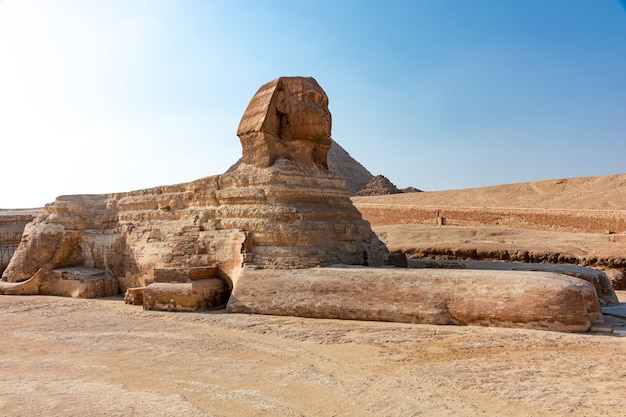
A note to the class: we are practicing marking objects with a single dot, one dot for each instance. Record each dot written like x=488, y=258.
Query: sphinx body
x=281, y=208
x=264, y=238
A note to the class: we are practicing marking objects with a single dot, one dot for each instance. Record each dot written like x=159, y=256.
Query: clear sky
x=107, y=96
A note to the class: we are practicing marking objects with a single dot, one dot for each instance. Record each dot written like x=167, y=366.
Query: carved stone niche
x=287, y=118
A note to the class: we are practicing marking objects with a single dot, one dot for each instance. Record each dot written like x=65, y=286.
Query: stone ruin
x=378, y=185
x=279, y=235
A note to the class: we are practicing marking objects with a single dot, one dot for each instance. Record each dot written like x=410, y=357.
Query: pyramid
x=379, y=185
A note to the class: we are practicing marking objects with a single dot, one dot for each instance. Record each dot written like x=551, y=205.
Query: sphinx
x=279, y=235
x=280, y=209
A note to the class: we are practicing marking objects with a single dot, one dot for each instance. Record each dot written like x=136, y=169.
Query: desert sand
x=606, y=192
x=101, y=357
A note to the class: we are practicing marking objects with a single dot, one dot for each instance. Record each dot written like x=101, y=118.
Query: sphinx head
x=287, y=118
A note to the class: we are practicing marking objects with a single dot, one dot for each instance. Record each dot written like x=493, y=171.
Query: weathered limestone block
x=40, y=243
x=306, y=218
x=83, y=212
x=189, y=296
x=184, y=274
x=12, y=223
x=79, y=282
x=490, y=298
x=28, y=287
x=134, y=296
x=599, y=279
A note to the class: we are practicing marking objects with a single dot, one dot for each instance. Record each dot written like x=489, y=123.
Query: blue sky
x=108, y=96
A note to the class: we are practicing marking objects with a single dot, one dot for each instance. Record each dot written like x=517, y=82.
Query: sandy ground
x=72, y=357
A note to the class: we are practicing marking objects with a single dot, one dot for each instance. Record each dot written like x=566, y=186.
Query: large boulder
x=535, y=300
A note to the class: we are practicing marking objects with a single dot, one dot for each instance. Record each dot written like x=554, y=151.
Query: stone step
x=134, y=296
x=205, y=294
x=184, y=274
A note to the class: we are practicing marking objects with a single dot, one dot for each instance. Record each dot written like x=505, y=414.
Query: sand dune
x=595, y=193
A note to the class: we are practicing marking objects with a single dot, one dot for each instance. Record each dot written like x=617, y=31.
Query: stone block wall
x=12, y=223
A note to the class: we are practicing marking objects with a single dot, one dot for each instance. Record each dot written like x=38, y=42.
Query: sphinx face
x=306, y=113
x=287, y=118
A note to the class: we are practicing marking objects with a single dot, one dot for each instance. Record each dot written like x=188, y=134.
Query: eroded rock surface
x=507, y=299
x=281, y=208
x=12, y=223
x=341, y=163
x=599, y=279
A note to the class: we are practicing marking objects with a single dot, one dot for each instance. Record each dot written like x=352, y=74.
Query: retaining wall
x=588, y=221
